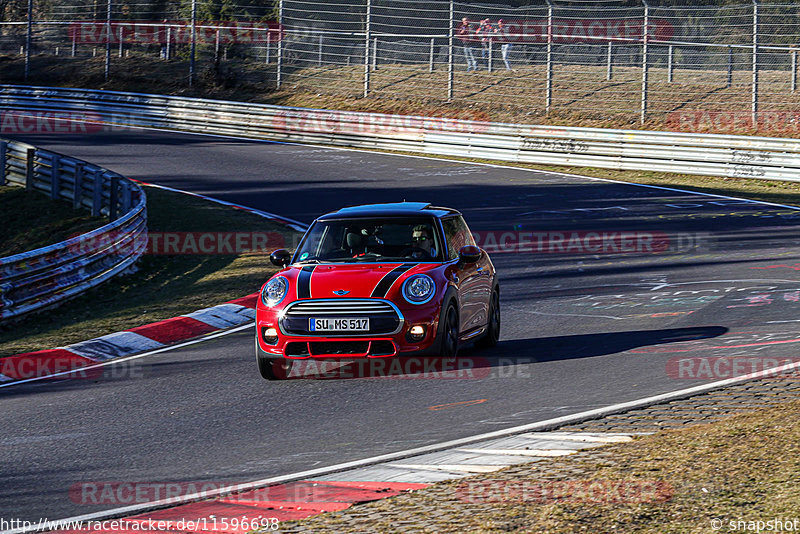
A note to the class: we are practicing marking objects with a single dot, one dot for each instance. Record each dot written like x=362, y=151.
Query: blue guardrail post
x=55, y=177
x=97, y=197
x=3, y=155
x=77, y=186
x=113, y=196
x=30, y=156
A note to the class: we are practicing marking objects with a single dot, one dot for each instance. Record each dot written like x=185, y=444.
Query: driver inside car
x=422, y=246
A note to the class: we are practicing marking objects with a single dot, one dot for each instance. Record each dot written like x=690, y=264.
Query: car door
x=481, y=290
x=471, y=279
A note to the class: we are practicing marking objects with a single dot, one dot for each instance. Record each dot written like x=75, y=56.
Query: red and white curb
x=243, y=508
x=262, y=508
x=129, y=342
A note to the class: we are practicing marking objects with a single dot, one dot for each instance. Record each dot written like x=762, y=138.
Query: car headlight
x=274, y=291
x=419, y=289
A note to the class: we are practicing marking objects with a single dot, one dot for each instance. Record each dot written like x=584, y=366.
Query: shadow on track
x=474, y=364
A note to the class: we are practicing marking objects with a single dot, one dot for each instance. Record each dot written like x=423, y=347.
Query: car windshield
x=371, y=240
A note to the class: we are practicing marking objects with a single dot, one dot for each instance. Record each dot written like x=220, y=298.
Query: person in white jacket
x=500, y=35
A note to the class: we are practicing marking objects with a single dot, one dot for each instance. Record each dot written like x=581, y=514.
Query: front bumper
x=346, y=345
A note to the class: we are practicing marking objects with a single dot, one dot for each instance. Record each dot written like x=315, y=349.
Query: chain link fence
x=639, y=61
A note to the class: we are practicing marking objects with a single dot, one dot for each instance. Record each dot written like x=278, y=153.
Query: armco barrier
x=705, y=154
x=39, y=278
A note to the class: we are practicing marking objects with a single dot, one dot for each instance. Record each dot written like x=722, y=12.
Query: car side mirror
x=469, y=254
x=280, y=257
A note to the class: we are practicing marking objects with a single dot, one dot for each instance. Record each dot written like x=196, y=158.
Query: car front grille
x=337, y=308
x=384, y=318
x=303, y=349
x=319, y=348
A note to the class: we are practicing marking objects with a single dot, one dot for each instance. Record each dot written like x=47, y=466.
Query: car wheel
x=450, y=331
x=492, y=335
x=272, y=368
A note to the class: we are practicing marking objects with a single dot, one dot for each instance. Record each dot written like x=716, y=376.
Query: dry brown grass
x=742, y=468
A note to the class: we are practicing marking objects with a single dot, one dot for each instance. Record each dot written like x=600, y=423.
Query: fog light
x=270, y=335
x=416, y=332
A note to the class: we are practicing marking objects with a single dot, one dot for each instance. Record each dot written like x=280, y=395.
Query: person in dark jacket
x=465, y=32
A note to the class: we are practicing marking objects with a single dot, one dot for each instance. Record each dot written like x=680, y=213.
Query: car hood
x=351, y=280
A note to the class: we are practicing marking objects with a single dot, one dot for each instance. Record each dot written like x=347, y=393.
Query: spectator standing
x=484, y=34
x=501, y=36
x=465, y=33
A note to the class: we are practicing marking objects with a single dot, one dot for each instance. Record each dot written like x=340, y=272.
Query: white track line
x=292, y=223
x=538, y=453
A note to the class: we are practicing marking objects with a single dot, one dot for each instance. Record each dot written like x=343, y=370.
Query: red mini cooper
x=377, y=281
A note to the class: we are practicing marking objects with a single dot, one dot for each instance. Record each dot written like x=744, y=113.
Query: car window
x=457, y=234
x=372, y=239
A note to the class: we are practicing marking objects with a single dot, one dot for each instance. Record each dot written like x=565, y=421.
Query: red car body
x=370, y=288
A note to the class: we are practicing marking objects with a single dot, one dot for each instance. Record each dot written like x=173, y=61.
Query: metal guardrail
x=40, y=278
x=702, y=154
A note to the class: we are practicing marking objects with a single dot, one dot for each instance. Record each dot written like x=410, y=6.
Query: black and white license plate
x=340, y=324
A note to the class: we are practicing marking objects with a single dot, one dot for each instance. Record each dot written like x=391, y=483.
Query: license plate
x=343, y=324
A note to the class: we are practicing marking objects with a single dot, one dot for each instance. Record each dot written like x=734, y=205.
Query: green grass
x=32, y=220
x=163, y=287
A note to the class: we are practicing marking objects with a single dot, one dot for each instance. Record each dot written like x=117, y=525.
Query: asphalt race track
x=617, y=288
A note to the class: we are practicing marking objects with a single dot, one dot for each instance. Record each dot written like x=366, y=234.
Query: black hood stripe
x=304, y=282
x=386, y=282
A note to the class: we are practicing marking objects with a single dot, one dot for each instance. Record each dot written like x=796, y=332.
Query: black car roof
x=396, y=209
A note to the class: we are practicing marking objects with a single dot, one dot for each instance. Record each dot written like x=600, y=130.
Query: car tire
x=492, y=335
x=272, y=368
x=449, y=325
